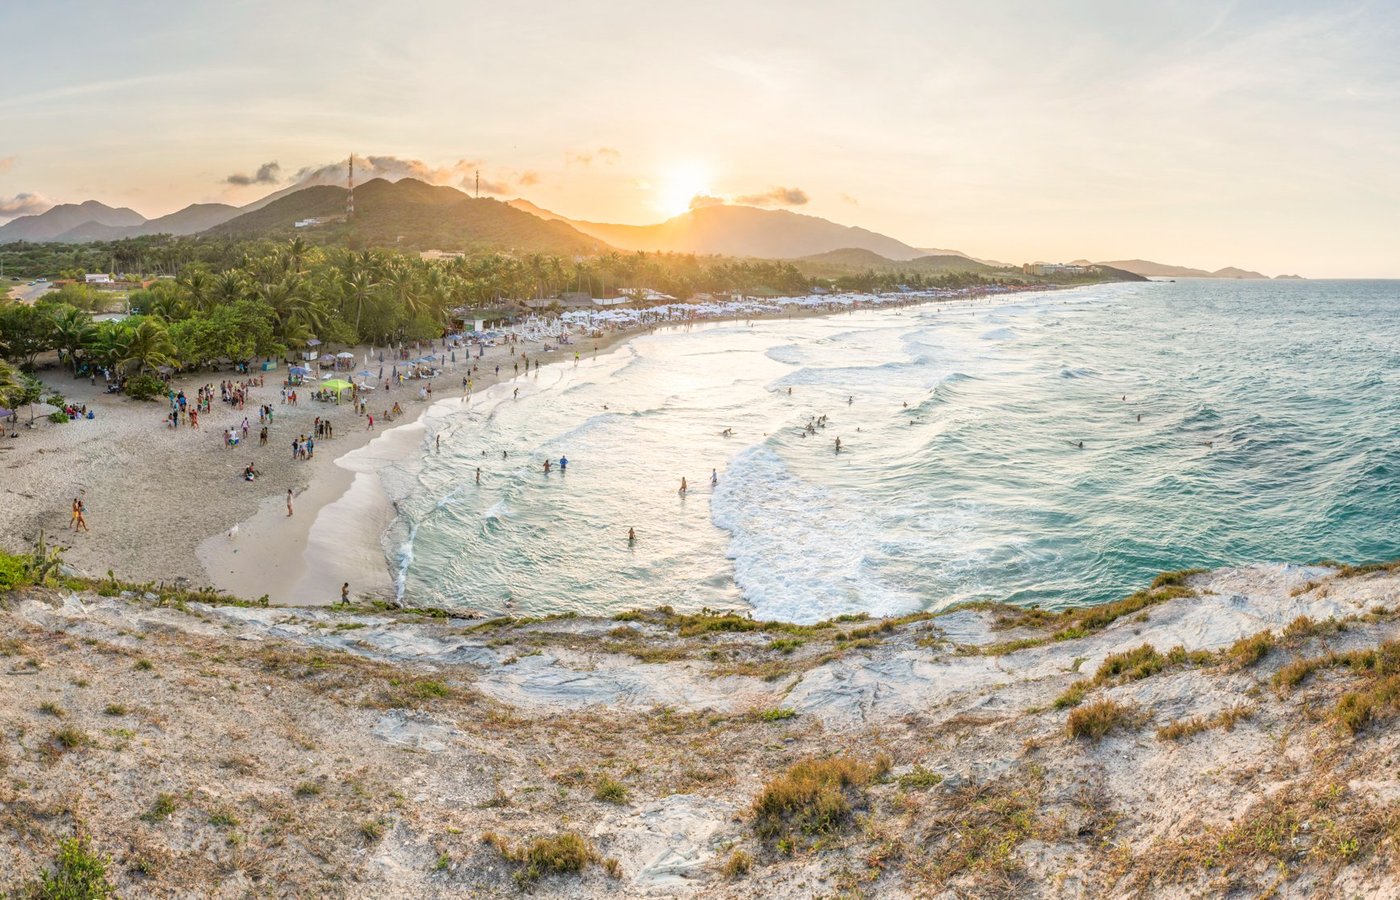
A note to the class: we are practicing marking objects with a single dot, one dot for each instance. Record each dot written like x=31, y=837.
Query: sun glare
x=679, y=185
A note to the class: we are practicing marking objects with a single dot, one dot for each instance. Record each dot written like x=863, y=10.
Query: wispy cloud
x=267, y=173
x=608, y=155
x=6, y=163
x=778, y=196
x=390, y=168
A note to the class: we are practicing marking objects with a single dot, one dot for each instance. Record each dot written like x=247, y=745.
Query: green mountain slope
x=412, y=215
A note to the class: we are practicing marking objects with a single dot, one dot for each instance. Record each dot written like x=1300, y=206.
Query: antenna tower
x=350, y=183
x=478, y=184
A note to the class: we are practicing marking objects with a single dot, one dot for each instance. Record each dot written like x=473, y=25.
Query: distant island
x=1150, y=269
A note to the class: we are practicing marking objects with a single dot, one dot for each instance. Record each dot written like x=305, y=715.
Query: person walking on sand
x=289, y=501
x=345, y=594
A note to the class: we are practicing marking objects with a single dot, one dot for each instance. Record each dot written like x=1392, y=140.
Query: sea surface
x=1268, y=432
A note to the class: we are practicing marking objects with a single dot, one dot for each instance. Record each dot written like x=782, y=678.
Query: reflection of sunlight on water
x=960, y=475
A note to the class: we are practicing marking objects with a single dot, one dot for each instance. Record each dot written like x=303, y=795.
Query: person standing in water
x=838, y=445
x=478, y=474
x=714, y=477
x=683, y=487
x=631, y=536
x=563, y=463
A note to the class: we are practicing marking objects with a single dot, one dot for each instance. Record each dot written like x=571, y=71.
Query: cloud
x=607, y=155
x=847, y=198
x=700, y=200
x=6, y=164
x=26, y=204
x=267, y=174
x=487, y=186
x=778, y=196
x=528, y=179
x=390, y=168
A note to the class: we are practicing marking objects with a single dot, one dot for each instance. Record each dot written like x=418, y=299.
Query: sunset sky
x=1264, y=135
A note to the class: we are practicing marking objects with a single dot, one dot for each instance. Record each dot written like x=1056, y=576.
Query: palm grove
x=235, y=302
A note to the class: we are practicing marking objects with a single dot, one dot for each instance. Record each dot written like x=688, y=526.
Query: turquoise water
x=1267, y=434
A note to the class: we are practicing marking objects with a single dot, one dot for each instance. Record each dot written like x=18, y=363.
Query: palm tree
x=296, y=254
x=357, y=293
x=229, y=286
x=11, y=385
x=71, y=330
x=198, y=287
x=148, y=345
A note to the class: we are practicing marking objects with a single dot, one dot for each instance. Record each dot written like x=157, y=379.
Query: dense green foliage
x=225, y=300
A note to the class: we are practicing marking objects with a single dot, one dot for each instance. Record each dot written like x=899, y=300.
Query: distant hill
x=413, y=215
x=736, y=231
x=858, y=259
x=1160, y=270
x=48, y=226
x=192, y=219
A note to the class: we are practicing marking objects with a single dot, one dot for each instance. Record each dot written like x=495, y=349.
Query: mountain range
x=415, y=215
x=1162, y=270
x=727, y=230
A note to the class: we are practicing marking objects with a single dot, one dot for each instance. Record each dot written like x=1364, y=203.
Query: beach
x=162, y=502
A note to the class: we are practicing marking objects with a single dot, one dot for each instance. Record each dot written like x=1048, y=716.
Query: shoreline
x=351, y=513
x=163, y=502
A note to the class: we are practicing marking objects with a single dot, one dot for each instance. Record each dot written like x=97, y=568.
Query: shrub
x=785, y=645
x=14, y=571
x=1097, y=719
x=737, y=864
x=307, y=789
x=70, y=739
x=1175, y=579
x=162, y=809
x=1247, y=651
x=814, y=797
x=610, y=790
x=553, y=855
x=78, y=874
x=1131, y=665
x=777, y=715
x=144, y=387
x=1074, y=694
x=58, y=417
x=429, y=689
x=919, y=779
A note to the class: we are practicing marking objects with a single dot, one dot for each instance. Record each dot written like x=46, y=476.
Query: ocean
x=1266, y=433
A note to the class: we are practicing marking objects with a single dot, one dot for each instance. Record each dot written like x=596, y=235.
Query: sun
x=680, y=184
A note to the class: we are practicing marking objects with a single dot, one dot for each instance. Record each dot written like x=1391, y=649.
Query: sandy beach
x=162, y=502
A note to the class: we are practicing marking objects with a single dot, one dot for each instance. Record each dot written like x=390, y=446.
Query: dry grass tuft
x=814, y=797
x=1095, y=720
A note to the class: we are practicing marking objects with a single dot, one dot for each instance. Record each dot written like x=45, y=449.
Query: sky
x=1264, y=135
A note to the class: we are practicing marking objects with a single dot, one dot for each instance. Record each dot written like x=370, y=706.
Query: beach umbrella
x=365, y=373
x=299, y=370
x=345, y=354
